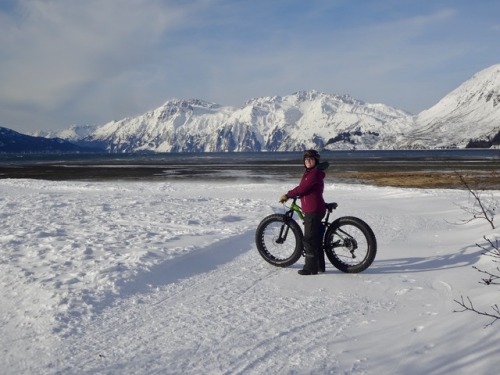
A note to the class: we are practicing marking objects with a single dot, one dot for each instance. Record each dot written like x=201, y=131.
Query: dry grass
x=424, y=179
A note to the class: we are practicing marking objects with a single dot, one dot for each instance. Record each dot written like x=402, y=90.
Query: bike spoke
x=350, y=245
x=279, y=240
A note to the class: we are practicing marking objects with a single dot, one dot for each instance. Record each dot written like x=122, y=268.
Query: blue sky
x=65, y=62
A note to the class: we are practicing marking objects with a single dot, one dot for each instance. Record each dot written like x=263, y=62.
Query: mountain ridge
x=472, y=109
x=469, y=116
x=14, y=142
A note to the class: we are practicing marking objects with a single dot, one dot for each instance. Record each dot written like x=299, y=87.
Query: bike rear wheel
x=279, y=240
x=350, y=244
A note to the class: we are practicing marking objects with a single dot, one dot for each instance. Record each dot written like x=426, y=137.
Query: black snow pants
x=315, y=258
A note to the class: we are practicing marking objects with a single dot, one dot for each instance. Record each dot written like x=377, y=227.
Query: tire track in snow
x=189, y=323
x=190, y=264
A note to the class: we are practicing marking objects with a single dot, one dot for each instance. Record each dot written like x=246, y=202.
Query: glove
x=283, y=198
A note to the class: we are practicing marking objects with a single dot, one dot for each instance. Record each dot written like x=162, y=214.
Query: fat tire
x=339, y=255
x=280, y=255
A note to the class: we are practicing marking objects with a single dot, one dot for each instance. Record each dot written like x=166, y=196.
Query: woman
x=310, y=192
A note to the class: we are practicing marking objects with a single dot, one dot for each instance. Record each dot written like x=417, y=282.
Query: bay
x=253, y=166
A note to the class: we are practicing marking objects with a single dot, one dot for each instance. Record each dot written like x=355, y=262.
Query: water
x=254, y=166
x=243, y=157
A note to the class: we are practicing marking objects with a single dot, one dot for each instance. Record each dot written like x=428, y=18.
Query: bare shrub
x=491, y=249
x=482, y=204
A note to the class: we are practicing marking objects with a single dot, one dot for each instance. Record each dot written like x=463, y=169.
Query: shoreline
x=439, y=176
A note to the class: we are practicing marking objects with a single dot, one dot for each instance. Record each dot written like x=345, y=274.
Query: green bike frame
x=294, y=207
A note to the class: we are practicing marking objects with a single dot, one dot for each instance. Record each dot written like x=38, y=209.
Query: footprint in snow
x=400, y=292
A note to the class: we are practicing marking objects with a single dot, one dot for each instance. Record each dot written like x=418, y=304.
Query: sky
x=65, y=62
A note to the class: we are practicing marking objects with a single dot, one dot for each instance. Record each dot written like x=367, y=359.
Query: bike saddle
x=331, y=206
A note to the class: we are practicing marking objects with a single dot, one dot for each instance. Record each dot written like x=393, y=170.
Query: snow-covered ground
x=164, y=278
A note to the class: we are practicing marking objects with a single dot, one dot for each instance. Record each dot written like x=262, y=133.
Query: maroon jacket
x=310, y=191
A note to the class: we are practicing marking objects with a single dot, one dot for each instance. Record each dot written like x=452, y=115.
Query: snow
x=470, y=111
x=164, y=278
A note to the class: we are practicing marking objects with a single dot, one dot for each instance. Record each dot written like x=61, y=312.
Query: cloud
x=54, y=50
x=362, y=60
x=57, y=46
x=92, y=61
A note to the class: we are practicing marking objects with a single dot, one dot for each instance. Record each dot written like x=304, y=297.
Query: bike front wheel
x=350, y=244
x=279, y=240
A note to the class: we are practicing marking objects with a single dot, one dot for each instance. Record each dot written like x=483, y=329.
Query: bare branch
x=468, y=306
x=481, y=209
x=492, y=277
x=493, y=250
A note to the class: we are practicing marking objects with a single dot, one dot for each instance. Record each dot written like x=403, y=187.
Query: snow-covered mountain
x=304, y=119
x=73, y=133
x=467, y=117
x=14, y=142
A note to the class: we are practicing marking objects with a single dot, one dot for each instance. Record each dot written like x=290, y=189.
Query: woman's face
x=309, y=162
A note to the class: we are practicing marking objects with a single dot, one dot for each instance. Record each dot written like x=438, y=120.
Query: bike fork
x=283, y=233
